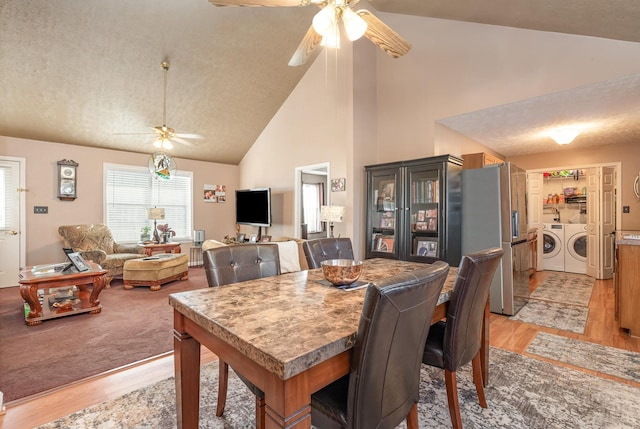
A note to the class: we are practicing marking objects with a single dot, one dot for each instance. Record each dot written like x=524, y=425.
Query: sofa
x=95, y=242
x=292, y=256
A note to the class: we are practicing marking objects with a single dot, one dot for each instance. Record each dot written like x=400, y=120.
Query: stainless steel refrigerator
x=494, y=214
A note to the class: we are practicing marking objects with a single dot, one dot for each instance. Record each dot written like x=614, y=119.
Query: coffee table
x=51, y=293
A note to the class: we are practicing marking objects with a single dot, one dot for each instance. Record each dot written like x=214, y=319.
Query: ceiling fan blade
x=183, y=141
x=189, y=136
x=383, y=36
x=133, y=134
x=259, y=2
x=306, y=46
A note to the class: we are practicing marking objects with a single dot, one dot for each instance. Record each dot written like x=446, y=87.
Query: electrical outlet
x=626, y=209
x=40, y=209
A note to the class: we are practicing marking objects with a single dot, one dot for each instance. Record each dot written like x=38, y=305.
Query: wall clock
x=67, y=179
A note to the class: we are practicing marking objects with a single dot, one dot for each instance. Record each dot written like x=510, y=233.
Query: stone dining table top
x=290, y=322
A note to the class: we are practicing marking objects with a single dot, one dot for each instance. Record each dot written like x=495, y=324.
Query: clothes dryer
x=575, y=249
x=553, y=246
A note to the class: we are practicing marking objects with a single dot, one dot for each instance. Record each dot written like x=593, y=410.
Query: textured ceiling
x=85, y=71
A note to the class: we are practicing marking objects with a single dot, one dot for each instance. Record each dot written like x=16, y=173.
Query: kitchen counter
x=621, y=240
x=627, y=281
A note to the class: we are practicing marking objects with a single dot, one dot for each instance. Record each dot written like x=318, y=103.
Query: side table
x=165, y=247
x=63, y=294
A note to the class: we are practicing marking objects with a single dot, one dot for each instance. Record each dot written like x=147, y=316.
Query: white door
x=593, y=221
x=534, y=210
x=10, y=204
x=600, y=221
x=607, y=221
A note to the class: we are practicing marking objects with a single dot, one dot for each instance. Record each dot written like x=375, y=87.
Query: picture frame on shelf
x=265, y=239
x=387, y=222
x=253, y=238
x=241, y=237
x=384, y=243
x=427, y=247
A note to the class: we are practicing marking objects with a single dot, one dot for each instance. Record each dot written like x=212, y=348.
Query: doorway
x=608, y=209
x=316, y=173
x=12, y=219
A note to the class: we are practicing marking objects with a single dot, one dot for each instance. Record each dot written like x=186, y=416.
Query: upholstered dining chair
x=382, y=388
x=234, y=264
x=321, y=249
x=456, y=341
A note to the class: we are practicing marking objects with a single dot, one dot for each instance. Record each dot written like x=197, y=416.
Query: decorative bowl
x=341, y=272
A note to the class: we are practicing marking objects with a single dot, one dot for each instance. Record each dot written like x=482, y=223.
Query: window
x=131, y=190
x=312, y=199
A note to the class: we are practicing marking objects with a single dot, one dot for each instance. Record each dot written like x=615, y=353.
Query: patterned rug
x=560, y=302
x=607, y=360
x=523, y=392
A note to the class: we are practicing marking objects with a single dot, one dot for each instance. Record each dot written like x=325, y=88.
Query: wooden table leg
x=285, y=409
x=30, y=294
x=187, y=372
x=98, y=284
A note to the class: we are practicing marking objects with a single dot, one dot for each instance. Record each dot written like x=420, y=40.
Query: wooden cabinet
x=627, y=286
x=479, y=160
x=414, y=210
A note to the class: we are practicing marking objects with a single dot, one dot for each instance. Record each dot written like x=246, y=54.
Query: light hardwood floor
x=507, y=334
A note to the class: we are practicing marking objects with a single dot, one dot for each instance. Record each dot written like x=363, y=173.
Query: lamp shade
x=155, y=213
x=331, y=213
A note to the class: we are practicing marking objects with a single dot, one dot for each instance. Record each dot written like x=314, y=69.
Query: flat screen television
x=253, y=206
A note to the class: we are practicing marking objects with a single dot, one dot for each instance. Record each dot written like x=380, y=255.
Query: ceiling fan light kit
x=324, y=30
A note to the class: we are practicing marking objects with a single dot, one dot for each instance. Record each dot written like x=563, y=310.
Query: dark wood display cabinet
x=414, y=209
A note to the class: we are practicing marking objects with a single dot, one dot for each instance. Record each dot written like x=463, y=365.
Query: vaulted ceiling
x=87, y=72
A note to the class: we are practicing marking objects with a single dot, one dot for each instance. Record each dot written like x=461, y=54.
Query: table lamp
x=331, y=214
x=155, y=214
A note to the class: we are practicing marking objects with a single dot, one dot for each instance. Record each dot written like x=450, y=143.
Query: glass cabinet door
x=383, y=207
x=423, y=213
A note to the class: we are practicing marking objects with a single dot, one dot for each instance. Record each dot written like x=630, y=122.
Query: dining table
x=290, y=335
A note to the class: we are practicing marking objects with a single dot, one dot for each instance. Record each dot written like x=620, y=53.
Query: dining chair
x=321, y=249
x=234, y=264
x=382, y=388
x=456, y=341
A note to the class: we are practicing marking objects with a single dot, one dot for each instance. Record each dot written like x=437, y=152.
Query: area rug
x=560, y=302
x=133, y=325
x=567, y=288
x=554, y=315
x=523, y=393
x=607, y=360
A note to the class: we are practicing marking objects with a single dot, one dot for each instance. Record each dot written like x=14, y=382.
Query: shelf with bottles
x=565, y=174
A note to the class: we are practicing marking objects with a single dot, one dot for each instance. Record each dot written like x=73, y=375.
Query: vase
x=166, y=237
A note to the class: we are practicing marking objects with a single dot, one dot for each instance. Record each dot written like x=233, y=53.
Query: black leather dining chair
x=234, y=264
x=321, y=249
x=382, y=388
x=456, y=341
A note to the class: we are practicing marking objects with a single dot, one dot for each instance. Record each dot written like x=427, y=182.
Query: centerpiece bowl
x=341, y=272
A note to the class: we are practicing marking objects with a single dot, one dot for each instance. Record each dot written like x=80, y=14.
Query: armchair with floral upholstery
x=95, y=243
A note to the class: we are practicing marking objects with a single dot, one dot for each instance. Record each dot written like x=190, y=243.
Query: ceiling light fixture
x=325, y=23
x=564, y=135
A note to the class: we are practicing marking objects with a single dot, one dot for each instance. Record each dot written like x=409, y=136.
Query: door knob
x=12, y=232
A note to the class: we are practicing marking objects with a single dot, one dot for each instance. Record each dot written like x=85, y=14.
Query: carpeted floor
x=133, y=325
x=523, y=393
x=607, y=360
x=560, y=302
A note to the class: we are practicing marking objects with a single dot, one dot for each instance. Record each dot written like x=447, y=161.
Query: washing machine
x=575, y=248
x=553, y=246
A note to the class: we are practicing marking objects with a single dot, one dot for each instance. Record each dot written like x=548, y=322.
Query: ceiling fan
x=325, y=30
x=165, y=135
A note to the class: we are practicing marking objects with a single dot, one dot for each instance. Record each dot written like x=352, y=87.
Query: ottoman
x=154, y=271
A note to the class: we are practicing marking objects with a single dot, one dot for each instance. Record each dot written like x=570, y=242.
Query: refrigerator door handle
x=514, y=222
